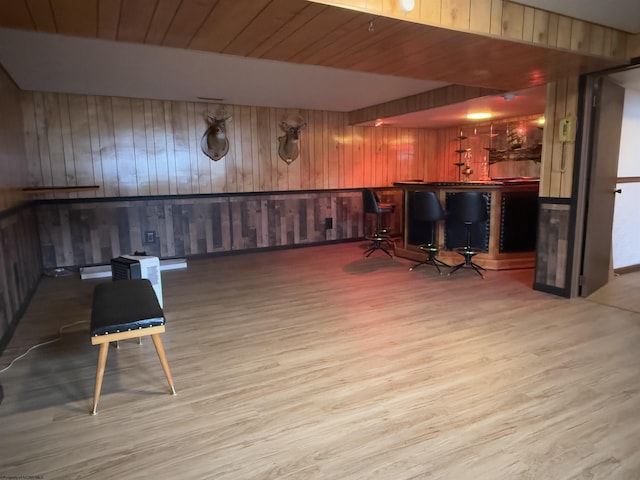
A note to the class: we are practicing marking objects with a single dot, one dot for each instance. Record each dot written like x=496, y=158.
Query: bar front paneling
x=507, y=237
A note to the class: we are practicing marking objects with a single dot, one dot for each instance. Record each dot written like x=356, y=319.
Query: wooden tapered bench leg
x=122, y=310
x=102, y=362
x=157, y=341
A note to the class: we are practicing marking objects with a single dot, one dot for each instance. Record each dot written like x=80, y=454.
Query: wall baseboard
x=628, y=269
x=104, y=271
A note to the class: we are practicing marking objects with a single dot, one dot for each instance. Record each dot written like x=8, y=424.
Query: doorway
x=605, y=113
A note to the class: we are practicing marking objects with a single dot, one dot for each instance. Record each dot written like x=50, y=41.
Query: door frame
x=584, y=158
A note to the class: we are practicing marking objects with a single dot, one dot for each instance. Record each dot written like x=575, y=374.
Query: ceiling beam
x=439, y=97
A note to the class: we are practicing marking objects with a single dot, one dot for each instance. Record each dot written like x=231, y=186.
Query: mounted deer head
x=288, y=143
x=214, y=143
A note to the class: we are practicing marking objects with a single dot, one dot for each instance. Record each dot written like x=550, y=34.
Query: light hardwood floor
x=316, y=364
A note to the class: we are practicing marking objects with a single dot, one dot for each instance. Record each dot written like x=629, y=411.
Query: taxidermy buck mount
x=214, y=143
x=288, y=143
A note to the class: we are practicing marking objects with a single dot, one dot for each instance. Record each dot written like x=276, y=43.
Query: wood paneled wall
x=633, y=46
x=148, y=148
x=556, y=178
x=479, y=140
x=13, y=170
x=20, y=266
x=87, y=232
x=135, y=147
x=20, y=260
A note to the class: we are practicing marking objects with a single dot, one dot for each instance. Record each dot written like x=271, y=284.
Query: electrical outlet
x=149, y=237
x=328, y=223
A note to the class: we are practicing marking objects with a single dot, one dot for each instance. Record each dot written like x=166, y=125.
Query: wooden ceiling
x=299, y=31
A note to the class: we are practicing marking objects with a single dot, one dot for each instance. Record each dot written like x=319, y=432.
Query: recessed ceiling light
x=479, y=116
x=407, y=5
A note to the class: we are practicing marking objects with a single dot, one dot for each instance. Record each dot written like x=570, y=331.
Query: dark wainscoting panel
x=553, y=246
x=82, y=232
x=20, y=266
x=519, y=222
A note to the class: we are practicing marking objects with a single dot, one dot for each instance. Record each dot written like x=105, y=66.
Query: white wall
x=629, y=161
x=626, y=217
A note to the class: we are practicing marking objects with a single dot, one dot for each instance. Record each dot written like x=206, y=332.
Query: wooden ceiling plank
x=274, y=16
x=396, y=52
x=187, y=21
x=438, y=57
x=366, y=45
x=526, y=65
x=334, y=45
x=161, y=21
x=436, y=64
x=42, y=15
x=314, y=31
x=108, y=19
x=225, y=22
x=340, y=37
x=76, y=18
x=399, y=51
x=398, y=47
x=135, y=19
x=16, y=15
x=289, y=28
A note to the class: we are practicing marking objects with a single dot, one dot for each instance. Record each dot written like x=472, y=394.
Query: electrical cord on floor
x=62, y=328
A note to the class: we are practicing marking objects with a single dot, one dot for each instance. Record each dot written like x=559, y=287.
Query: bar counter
x=508, y=237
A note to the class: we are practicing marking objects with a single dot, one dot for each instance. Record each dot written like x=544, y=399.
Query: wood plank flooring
x=314, y=363
x=620, y=292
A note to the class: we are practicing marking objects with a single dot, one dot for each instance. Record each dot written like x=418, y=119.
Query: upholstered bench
x=121, y=310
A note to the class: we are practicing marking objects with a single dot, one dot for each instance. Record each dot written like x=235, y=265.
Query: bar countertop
x=496, y=182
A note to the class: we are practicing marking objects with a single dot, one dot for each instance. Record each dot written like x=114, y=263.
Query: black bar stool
x=380, y=239
x=427, y=208
x=468, y=208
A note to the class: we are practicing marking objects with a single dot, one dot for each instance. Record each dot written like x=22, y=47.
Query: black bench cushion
x=125, y=305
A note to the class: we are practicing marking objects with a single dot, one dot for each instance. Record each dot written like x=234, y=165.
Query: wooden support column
x=558, y=155
x=556, y=217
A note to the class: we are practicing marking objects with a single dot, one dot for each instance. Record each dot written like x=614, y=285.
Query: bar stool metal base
x=431, y=251
x=468, y=254
x=380, y=241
